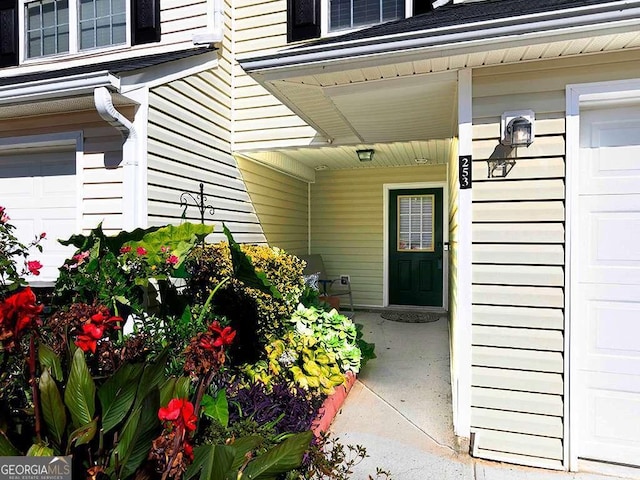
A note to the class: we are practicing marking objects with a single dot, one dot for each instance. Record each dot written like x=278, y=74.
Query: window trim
x=324, y=19
x=74, y=35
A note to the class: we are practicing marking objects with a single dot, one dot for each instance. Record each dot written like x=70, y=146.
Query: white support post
x=461, y=355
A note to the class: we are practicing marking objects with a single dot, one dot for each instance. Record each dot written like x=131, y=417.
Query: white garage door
x=606, y=316
x=38, y=188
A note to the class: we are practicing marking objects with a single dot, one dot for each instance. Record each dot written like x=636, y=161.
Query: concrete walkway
x=400, y=411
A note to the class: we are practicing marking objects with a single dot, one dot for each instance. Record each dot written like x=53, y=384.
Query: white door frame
x=577, y=96
x=387, y=187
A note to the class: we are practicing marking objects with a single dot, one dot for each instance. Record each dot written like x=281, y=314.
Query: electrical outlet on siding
x=345, y=279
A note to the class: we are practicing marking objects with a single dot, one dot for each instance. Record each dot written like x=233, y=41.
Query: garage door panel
x=611, y=436
x=610, y=239
x=606, y=320
x=39, y=191
x=609, y=159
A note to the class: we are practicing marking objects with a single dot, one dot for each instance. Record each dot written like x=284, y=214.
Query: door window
x=415, y=223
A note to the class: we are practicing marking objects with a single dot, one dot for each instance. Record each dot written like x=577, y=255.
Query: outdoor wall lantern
x=516, y=130
x=365, y=155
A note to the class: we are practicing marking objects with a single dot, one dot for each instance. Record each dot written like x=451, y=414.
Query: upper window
x=33, y=29
x=308, y=19
x=102, y=23
x=49, y=29
x=346, y=14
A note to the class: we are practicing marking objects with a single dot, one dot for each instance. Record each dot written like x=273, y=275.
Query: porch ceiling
x=382, y=110
x=304, y=162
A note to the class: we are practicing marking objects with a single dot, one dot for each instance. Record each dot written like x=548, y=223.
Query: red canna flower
x=86, y=343
x=126, y=249
x=226, y=334
x=34, y=267
x=180, y=412
x=141, y=251
x=172, y=260
x=19, y=311
x=93, y=330
x=98, y=318
x=188, y=451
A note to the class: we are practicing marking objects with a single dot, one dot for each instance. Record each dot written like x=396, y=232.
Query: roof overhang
x=402, y=87
x=62, y=90
x=546, y=27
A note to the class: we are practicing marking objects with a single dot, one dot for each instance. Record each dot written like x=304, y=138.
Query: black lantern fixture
x=519, y=132
x=517, y=128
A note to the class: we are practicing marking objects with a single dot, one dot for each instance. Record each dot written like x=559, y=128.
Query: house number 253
x=464, y=164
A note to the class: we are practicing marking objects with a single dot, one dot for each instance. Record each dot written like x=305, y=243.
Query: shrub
x=255, y=314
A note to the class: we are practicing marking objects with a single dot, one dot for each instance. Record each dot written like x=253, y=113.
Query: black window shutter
x=8, y=33
x=146, y=21
x=303, y=19
x=422, y=6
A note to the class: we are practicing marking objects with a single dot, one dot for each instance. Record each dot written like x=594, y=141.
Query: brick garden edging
x=331, y=406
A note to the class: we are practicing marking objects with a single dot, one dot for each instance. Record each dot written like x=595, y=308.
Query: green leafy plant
x=112, y=270
x=337, y=333
x=237, y=459
x=303, y=360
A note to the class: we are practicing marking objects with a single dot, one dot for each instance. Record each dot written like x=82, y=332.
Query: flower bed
x=224, y=377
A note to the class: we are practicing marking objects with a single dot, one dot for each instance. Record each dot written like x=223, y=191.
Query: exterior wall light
x=517, y=128
x=365, y=155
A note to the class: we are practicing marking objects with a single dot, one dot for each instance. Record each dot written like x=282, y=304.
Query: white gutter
x=72, y=85
x=106, y=110
x=493, y=32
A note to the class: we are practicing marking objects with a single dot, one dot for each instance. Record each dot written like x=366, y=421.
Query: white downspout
x=106, y=110
x=214, y=34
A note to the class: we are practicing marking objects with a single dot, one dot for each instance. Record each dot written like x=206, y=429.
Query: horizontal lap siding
x=260, y=120
x=347, y=223
x=518, y=286
x=281, y=204
x=518, y=259
x=101, y=163
x=189, y=141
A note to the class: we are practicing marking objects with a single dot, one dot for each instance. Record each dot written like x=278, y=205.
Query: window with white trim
x=50, y=27
x=307, y=19
x=47, y=27
x=102, y=23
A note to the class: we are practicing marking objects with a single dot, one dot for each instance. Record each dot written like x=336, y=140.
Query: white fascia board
x=73, y=85
x=446, y=41
x=151, y=77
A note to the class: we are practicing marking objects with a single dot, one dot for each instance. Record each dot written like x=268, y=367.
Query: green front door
x=415, y=247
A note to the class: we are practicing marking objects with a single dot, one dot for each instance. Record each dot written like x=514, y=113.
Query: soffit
x=63, y=105
x=384, y=110
x=390, y=99
x=304, y=161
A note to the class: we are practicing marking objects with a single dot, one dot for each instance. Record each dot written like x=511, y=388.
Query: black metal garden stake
x=198, y=201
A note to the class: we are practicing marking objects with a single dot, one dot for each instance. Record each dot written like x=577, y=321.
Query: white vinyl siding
x=282, y=205
x=347, y=226
x=518, y=378
x=259, y=119
x=189, y=143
